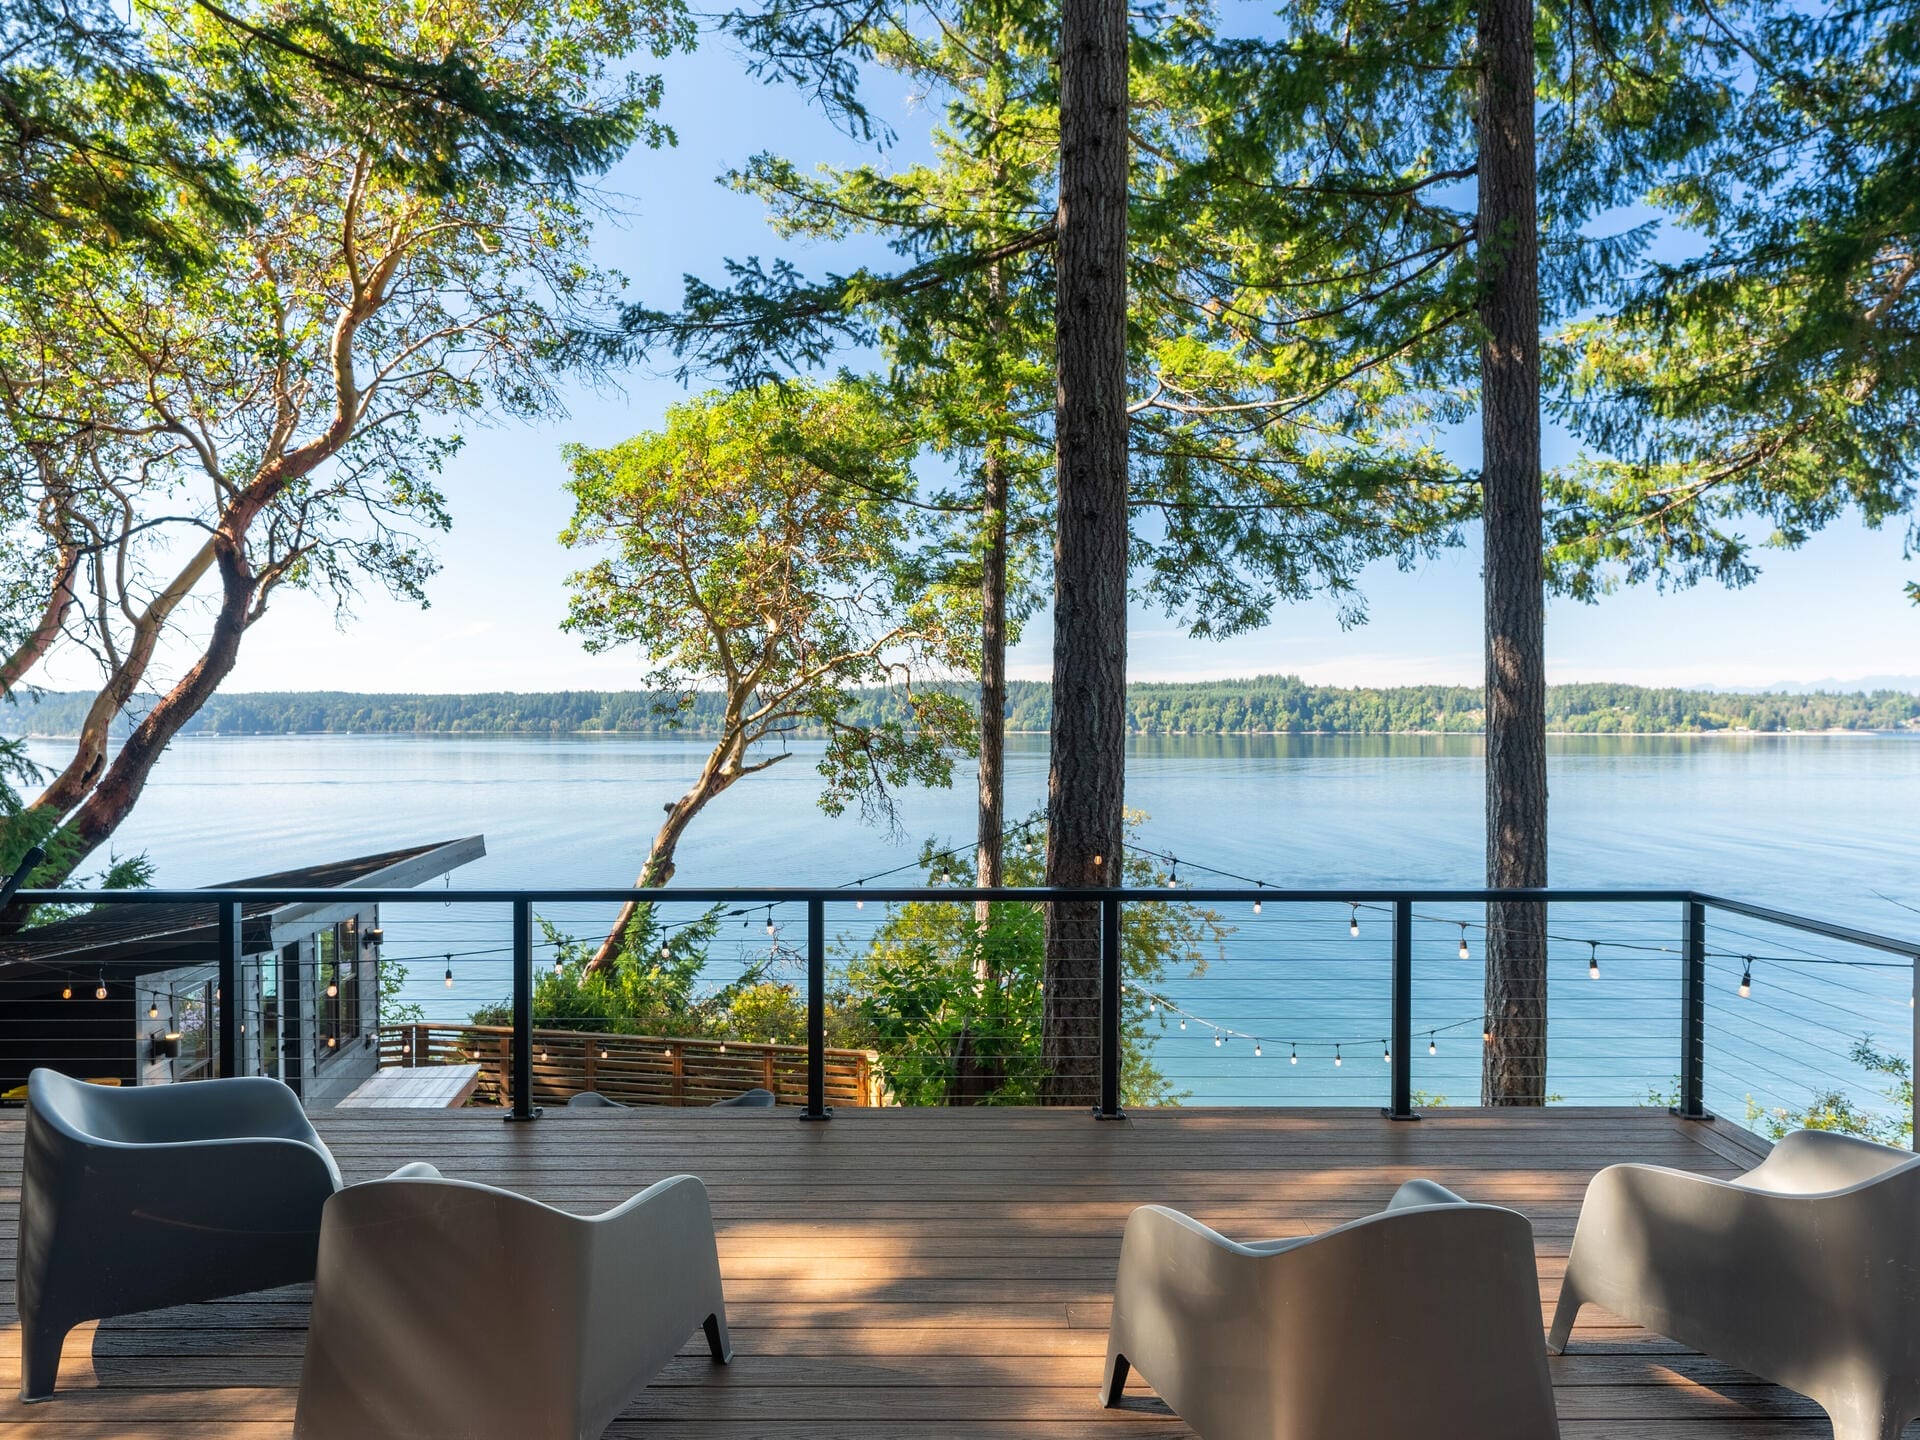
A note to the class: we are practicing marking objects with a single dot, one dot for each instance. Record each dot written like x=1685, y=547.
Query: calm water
x=1825, y=824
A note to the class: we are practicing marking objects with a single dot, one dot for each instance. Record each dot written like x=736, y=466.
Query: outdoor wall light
x=167, y=1047
x=372, y=938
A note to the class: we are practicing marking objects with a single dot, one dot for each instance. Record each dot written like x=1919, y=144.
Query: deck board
x=923, y=1273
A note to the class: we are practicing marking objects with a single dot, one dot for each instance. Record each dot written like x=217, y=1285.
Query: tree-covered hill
x=1266, y=704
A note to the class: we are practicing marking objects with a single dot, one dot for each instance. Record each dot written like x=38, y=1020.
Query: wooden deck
x=929, y=1273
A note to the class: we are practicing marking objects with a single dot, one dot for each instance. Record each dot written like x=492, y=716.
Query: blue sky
x=1832, y=610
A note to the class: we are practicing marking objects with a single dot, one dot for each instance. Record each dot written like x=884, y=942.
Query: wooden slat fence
x=633, y=1069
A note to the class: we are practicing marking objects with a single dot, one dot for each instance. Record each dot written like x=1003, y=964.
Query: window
x=193, y=1017
x=337, y=991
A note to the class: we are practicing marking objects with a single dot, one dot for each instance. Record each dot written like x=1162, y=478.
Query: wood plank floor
x=929, y=1273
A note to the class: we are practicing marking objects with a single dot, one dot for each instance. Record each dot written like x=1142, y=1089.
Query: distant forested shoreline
x=1264, y=705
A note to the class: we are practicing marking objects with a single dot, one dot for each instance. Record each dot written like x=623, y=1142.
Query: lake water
x=1828, y=825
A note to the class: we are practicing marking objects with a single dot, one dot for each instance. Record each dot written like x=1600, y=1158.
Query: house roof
x=138, y=939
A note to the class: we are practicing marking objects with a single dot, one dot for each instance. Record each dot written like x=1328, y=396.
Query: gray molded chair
x=135, y=1199
x=1804, y=1271
x=1423, y=1319
x=755, y=1099
x=410, y=1336
x=592, y=1100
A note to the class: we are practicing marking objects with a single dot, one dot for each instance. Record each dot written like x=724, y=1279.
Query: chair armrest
x=1423, y=1192
x=1815, y=1162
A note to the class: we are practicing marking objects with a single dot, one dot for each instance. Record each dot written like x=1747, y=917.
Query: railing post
x=523, y=1106
x=1400, y=1106
x=1110, y=973
x=1913, y=1141
x=228, y=983
x=1693, y=1014
x=816, y=1012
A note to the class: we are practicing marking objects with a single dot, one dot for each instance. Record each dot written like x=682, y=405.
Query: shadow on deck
x=930, y=1273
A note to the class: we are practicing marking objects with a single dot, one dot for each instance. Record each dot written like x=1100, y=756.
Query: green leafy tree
x=276, y=415
x=944, y=1038
x=749, y=547
x=1762, y=385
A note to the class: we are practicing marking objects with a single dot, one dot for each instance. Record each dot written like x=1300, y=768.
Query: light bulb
x=66, y=992
x=723, y=1047
x=1746, y=980
x=1353, y=923
x=1216, y=1039
x=1099, y=859
x=1256, y=1047
x=1486, y=1032
x=333, y=1042
x=333, y=989
x=153, y=1010
x=100, y=991
x=1153, y=1007
x=449, y=981
x=603, y=1052
x=1293, y=1055
x=1386, y=1053
x=665, y=953
x=1256, y=907
x=859, y=904
x=1593, y=960
x=559, y=965
x=1465, y=954
x=1336, y=1057
x=1431, y=1048
x=1183, y=1022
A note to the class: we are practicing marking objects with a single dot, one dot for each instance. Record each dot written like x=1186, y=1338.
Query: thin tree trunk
x=659, y=866
x=1085, y=775
x=990, y=844
x=1514, y=1071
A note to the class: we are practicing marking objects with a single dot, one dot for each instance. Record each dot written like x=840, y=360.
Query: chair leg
x=1564, y=1314
x=1116, y=1382
x=40, y=1348
x=719, y=1342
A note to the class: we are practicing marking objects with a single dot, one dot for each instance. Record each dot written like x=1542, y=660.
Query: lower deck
x=930, y=1272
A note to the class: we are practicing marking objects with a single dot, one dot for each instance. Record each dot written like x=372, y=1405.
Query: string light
x=333, y=988
x=1336, y=1057
x=1256, y=904
x=1293, y=1055
x=153, y=1009
x=559, y=963
x=1746, y=978
x=769, y=920
x=1432, y=1049
x=1216, y=1039
x=1173, y=875
x=1353, y=923
x=1183, y=1022
x=1593, y=960
x=449, y=981
x=1386, y=1052
x=100, y=990
x=1256, y=1048
x=1465, y=954
x=1486, y=1032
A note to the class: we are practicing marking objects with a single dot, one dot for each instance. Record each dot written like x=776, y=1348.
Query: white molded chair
x=445, y=1309
x=1804, y=1271
x=1423, y=1319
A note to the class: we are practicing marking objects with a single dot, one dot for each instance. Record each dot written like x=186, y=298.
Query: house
x=128, y=994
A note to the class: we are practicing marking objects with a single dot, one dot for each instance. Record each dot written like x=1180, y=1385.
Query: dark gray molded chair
x=135, y=1199
x=755, y=1099
x=410, y=1339
x=1423, y=1319
x=592, y=1100
x=1804, y=1271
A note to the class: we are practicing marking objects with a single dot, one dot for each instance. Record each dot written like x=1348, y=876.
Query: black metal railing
x=1694, y=914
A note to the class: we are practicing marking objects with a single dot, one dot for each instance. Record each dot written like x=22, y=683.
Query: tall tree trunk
x=1514, y=1070
x=990, y=842
x=1086, y=765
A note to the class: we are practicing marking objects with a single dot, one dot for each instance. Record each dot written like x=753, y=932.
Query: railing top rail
x=798, y=894
x=1808, y=925
x=758, y=896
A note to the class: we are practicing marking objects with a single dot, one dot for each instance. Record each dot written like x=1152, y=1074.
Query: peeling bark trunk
x=1515, y=1062
x=1085, y=776
x=34, y=646
x=112, y=797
